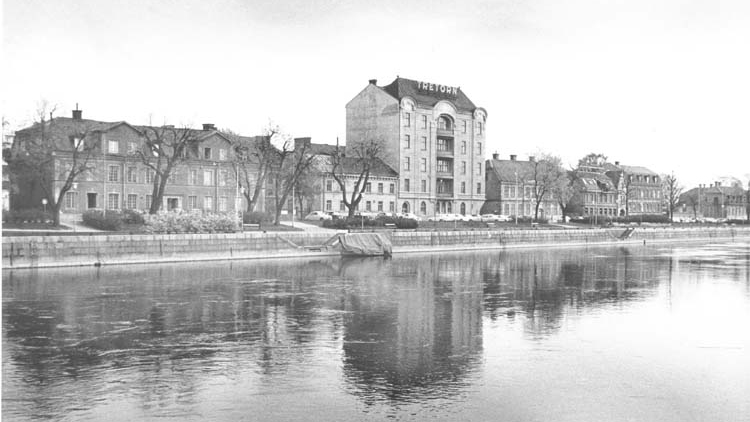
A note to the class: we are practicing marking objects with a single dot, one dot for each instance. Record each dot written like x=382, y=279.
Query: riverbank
x=63, y=251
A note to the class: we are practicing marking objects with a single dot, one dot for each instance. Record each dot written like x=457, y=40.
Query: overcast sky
x=659, y=83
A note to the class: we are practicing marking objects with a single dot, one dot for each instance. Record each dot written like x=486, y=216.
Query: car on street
x=317, y=216
x=409, y=215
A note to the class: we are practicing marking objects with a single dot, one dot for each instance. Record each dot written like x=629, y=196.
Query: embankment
x=57, y=251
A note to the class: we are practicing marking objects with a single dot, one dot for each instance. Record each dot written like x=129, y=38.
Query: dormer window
x=76, y=142
x=206, y=153
x=113, y=147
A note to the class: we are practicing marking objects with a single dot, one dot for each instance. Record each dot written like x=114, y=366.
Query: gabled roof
x=351, y=165
x=593, y=181
x=510, y=170
x=325, y=149
x=402, y=87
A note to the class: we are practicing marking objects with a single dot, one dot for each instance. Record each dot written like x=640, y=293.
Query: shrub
x=132, y=217
x=256, y=217
x=28, y=215
x=407, y=223
x=103, y=220
x=338, y=224
x=180, y=222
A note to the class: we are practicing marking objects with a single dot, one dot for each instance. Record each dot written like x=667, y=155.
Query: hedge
x=103, y=220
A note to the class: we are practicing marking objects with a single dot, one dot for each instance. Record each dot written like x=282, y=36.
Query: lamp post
x=44, y=203
x=516, y=189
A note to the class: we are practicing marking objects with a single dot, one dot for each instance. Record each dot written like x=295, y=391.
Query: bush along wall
x=109, y=220
x=180, y=222
x=359, y=222
x=30, y=215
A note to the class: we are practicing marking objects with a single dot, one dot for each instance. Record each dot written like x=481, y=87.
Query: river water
x=635, y=333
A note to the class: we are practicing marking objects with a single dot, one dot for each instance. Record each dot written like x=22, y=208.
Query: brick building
x=510, y=192
x=598, y=192
x=118, y=179
x=714, y=201
x=435, y=140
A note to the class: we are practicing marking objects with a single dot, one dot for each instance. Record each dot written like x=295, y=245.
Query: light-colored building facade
x=714, y=201
x=434, y=137
x=510, y=192
x=118, y=180
x=599, y=195
x=639, y=189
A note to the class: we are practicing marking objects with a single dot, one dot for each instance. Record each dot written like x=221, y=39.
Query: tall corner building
x=434, y=137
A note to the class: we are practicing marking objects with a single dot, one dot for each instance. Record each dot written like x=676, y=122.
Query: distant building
x=639, y=189
x=118, y=180
x=714, y=201
x=510, y=192
x=379, y=193
x=598, y=192
x=435, y=139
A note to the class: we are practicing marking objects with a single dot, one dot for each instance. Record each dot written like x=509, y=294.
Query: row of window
x=442, y=186
x=442, y=145
x=113, y=147
x=113, y=175
x=600, y=211
x=368, y=206
x=528, y=209
x=130, y=201
x=443, y=166
x=331, y=186
x=444, y=123
x=647, y=179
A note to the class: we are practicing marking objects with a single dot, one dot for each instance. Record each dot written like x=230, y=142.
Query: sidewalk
x=309, y=227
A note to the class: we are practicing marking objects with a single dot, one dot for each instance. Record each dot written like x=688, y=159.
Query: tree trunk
x=56, y=214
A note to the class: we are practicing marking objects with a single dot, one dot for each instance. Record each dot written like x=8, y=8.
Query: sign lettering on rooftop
x=442, y=89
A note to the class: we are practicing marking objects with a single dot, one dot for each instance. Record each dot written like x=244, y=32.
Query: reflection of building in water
x=421, y=333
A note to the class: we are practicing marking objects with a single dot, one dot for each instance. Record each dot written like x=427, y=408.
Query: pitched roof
x=628, y=169
x=594, y=181
x=61, y=128
x=351, y=165
x=325, y=149
x=510, y=170
x=402, y=87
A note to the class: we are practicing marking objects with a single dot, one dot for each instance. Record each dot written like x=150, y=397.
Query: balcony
x=448, y=152
x=445, y=194
x=445, y=132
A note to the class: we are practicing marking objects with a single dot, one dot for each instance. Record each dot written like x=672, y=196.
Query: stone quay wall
x=56, y=251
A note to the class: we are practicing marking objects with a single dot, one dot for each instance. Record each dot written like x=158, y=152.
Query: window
x=148, y=201
x=479, y=188
x=342, y=206
x=392, y=206
x=424, y=186
x=479, y=169
x=423, y=165
x=329, y=185
x=479, y=148
x=407, y=119
x=481, y=128
x=463, y=187
x=405, y=207
x=392, y=188
x=113, y=147
x=464, y=122
x=149, y=177
x=463, y=147
x=368, y=206
x=222, y=203
x=463, y=208
x=206, y=153
x=423, y=208
x=71, y=199
x=114, y=174
x=407, y=141
x=463, y=167
x=113, y=201
x=424, y=122
x=329, y=205
x=443, y=166
x=407, y=163
x=380, y=205
x=132, y=175
x=208, y=202
x=368, y=187
x=444, y=145
x=222, y=154
x=424, y=143
x=132, y=201
x=222, y=179
x=192, y=202
x=380, y=188
x=132, y=147
x=406, y=185
x=208, y=177
x=192, y=177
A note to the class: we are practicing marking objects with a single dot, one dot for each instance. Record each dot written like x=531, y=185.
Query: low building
x=510, y=191
x=714, y=201
x=117, y=179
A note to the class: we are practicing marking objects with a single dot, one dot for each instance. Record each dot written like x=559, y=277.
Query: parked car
x=475, y=217
x=336, y=214
x=409, y=215
x=317, y=216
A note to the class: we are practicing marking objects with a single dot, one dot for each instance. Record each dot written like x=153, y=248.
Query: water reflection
x=184, y=341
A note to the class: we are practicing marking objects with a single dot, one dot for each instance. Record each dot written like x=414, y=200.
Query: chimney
x=532, y=158
x=373, y=81
x=77, y=114
x=513, y=157
x=495, y=156
x=617, y=163
x=209, y=126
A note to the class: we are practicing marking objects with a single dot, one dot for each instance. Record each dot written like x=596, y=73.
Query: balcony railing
x=445, y=152
x=445, y=194
x=445, y=132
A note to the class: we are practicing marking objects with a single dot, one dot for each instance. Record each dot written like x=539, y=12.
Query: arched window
x=445, y=123
x=405, y=207
x=423, y=208
x=463, y=208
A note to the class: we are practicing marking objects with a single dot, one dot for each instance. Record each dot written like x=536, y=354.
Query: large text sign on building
x=443, y=89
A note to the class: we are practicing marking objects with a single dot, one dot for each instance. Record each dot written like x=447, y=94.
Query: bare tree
x=290, y=163
x=593, y=159
x=545, y=175
x=253, y=160
x=691, y=199
x=672, y=191
x=165, y=149
x=49, y=153
x=567, y=196
x=358, y=162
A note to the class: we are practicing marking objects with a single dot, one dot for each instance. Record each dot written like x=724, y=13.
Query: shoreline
x=56, y=252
